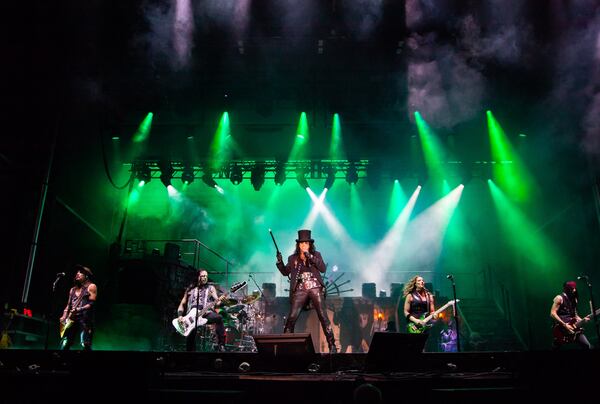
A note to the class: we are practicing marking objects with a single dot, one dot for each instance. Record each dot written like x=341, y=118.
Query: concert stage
x=35, y=376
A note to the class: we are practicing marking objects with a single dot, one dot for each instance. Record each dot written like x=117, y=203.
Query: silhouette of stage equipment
x=291, y=344
x=394, y=350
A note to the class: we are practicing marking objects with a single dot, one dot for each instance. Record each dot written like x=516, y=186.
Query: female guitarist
x=418, y=304
x=78, y=314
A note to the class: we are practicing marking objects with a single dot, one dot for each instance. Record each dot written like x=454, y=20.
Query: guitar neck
x=438, y=311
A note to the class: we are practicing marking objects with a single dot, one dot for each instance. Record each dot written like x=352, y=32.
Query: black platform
x=34, y=376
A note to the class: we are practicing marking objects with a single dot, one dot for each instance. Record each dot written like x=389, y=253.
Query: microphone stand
x=50, y=310
x=594, y=316
x=455, y=314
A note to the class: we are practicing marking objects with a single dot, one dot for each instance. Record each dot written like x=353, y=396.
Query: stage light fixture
x=280, y=173
x=187, y=175
x=166, y=172
x=208, y=179
x=301, y=177
x=352, y=174
x=237, y=175
x=330, y=179
x=143, y=174
x=257, y=176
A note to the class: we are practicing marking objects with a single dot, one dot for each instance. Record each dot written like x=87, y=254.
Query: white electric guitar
x=193, y=319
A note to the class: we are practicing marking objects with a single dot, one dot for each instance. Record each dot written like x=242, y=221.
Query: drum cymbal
x=250, y=299
x=229, y=302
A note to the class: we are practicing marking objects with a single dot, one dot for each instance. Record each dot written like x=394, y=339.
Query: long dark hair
x=311, y=248
x=194, y=283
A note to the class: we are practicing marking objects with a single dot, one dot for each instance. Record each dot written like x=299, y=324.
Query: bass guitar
x=414, y=328
x=563, y=336
x=194, y=319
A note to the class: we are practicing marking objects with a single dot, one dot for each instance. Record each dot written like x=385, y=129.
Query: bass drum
x=232, y=336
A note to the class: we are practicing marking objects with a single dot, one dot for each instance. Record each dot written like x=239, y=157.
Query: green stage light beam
x=425, y=234
x=357, y=212
x=525, y=237
x=433, y=151
x=384, y=252
x=509, y=170
x=143, y=130
x=336, y=148
x=223, y=143
x=397, y=202
x=298, y=151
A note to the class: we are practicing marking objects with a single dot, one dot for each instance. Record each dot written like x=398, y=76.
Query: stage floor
x=101, y=376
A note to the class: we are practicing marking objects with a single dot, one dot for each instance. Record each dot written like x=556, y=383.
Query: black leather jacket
x=316, y=265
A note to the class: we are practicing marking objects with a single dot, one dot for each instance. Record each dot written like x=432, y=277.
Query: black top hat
x=84, y=270
x=304, y=235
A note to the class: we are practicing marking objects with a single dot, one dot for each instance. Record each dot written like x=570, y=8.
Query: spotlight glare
x=143, y=174
x=166, y=172
x=187, y=176
x=330, y=177
x=208, y=179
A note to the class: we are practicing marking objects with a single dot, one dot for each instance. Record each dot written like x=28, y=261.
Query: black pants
x=213, y=318
x=302, y=297
x=85, y=331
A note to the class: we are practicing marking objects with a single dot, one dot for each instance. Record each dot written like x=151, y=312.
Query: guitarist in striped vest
x=197, y=296
x=567, y=321
x=78, y=316
x=418, y=304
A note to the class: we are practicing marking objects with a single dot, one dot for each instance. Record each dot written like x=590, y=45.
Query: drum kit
x=242, y=318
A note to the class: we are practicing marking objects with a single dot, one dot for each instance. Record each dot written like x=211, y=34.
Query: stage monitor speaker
x=394, y=350
x=284, y=344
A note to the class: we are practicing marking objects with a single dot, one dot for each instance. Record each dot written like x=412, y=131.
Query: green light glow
x=143, y=130
x=302, y=129
x=509, y=171
x=433, y=151
x=397, y=202
x=357, y=211
x=220, y=144
x=134, y=197
x=302, y=136
x=336, y=149
x=524, y=236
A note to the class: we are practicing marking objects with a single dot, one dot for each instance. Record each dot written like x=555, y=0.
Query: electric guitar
x=194, y=318
x=563, y=336
x=65, y=325
x=414, y=328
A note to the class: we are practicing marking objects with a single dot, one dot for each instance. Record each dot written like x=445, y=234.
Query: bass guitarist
x=564, y=313
x=197, y=296
x=418, y=304
x=78, y=316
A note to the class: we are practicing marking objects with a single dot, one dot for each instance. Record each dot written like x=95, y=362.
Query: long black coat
x=317, y=267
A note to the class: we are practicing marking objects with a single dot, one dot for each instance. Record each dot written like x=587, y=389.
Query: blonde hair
x=410, y=286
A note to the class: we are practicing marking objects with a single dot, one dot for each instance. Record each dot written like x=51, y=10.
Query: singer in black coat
x=304, y=268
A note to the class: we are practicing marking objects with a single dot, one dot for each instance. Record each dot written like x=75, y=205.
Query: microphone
x=58, y=275
x=449, y=276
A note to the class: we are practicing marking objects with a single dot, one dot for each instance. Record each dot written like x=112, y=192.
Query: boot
x=330, y=340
